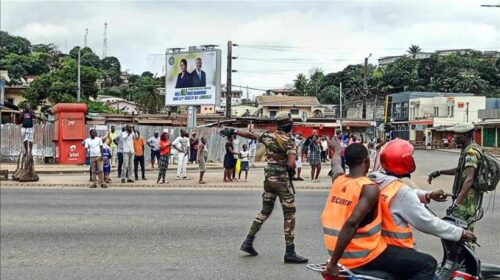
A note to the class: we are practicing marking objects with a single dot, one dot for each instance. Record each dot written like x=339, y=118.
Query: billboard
x=192, y=78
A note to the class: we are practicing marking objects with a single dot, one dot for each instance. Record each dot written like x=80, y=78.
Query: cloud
x=329, y=34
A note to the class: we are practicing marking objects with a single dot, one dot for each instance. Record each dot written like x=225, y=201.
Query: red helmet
x=397, y=158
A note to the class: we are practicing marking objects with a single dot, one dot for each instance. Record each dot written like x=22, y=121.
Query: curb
x=156, y=186
x=456, y=152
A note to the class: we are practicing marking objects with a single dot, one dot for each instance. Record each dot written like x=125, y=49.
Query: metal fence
x=11, y=143
x=44, y=148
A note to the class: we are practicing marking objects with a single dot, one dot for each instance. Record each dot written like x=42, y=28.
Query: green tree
x=413, y=50
x=147, y=97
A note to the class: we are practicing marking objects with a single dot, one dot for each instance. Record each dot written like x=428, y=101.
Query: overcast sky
x=328, y=34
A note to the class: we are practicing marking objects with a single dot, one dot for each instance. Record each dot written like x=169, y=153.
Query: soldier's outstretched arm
x=231, y=131
x=247, y=134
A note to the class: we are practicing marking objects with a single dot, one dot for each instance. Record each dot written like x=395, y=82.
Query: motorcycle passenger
x=402, y=205
x=352, y=221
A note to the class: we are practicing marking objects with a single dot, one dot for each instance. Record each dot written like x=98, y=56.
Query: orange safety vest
x=391, y=233
x=367, y=244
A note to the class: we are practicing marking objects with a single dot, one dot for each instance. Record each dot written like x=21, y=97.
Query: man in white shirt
x=94, y=148
x=181, y=145
x=154, y=143
x=128, y=153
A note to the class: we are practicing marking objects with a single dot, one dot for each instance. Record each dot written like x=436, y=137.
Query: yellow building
x=269, y=106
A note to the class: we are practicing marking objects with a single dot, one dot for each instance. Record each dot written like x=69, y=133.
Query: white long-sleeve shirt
x=408, y=208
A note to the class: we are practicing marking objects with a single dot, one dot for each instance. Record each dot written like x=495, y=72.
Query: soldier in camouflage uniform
x=466, y=198
x=281, y=155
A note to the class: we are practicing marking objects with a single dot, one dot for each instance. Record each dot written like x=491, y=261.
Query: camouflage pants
x=272, y=190
x=467, y=209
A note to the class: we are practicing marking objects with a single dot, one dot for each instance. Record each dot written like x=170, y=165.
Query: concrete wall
x=355, y=110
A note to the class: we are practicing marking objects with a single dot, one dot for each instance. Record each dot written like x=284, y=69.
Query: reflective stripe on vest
x=334, y=232
x=367, y=243
x=392, y=233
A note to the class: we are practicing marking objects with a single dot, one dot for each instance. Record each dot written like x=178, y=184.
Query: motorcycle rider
x=402, y=205
x=352, y=220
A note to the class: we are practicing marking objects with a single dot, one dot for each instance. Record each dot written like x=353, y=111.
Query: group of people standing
x=319, y=149
x=126, y=151
x=236, y=162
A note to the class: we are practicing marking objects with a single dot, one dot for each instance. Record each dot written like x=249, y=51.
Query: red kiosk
x=69, y=132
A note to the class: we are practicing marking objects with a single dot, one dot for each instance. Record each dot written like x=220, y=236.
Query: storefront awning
x=427, y=122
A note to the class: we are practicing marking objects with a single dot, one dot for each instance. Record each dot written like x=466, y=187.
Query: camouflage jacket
x=470, y=156
x=278, y=147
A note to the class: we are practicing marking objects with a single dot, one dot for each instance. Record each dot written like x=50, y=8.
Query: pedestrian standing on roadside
x=139, y=156
x=106, y=158
x=336, y=159
x=202, y=158
x=324, y=148
x=193, y=146
x=128, y=153
x=244, y=162
x=229, y=162
x=378, y=149
x=154, y=143
x=181, y=145
x=165, y=147
x=94, y=147
x=252, y=151
x=112, y=134
x=299, y=142
x=314, y=152
x=236, y=149
x=27, y=119
x=119, y=151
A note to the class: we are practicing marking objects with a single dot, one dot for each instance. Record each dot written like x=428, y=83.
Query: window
x=436, y=111
x=294, y=111
x=10, y=100
x=404, y=109
x=451, y=110
x=272, y=114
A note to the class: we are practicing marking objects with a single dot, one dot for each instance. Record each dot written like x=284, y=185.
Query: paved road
x=81, y=233
x=141, y=233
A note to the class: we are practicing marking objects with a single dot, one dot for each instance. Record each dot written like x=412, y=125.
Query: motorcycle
x=460, y=262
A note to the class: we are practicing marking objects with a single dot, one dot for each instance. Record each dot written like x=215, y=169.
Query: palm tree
x=300, y=85
x=413, y=50
x=148, y=98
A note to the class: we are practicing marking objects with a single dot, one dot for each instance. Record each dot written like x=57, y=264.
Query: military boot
x=247, y=246
x=292, y=257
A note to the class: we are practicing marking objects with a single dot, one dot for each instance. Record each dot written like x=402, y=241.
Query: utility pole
x=375, y=118
x=78, y=91
x=467, y=112
x=365, y=86
x=341, y=113
x=105, y=41
x=229, y=81
x=229, y=78
x=85, y=37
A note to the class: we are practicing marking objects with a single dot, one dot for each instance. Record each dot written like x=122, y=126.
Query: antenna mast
x=105, y=41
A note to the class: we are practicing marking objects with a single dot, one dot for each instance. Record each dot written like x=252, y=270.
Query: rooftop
x=269, y=100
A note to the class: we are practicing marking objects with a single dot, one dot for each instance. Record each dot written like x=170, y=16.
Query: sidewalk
x=213, y=177
x=79, y=169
